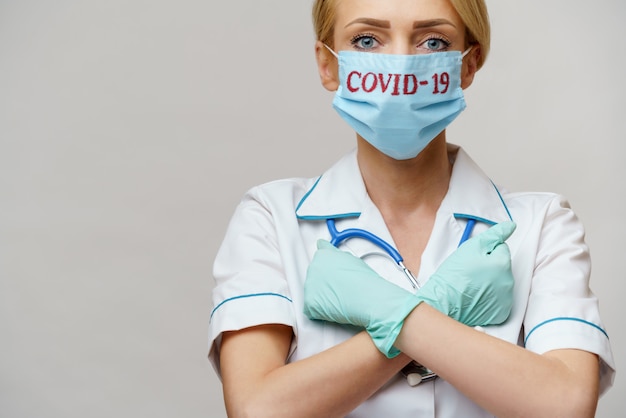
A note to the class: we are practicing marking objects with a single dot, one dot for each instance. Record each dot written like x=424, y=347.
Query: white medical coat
x=261, y=267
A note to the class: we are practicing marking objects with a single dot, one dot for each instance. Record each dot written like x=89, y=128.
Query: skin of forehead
x=396, y=11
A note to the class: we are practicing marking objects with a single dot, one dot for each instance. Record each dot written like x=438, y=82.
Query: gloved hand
x=474, y=285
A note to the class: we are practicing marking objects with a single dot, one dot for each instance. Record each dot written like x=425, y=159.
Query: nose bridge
x=402, y=43
x=402, y=46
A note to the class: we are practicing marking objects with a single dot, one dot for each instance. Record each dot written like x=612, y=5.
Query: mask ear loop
x=331, y=51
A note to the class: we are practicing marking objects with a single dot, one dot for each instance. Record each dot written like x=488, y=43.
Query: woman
x=301, y=328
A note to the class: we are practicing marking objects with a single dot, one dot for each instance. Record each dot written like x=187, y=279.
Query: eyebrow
x=420, y=24
x=431, y=23
x=372, y=22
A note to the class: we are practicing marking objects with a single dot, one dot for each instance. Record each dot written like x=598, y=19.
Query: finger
x=496, y=235
x=500, y=250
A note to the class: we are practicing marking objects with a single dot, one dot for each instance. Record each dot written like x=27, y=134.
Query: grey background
x=129, y=129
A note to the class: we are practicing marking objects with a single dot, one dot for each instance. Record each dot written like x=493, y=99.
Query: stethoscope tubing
x=414, y=372
x=337, y=237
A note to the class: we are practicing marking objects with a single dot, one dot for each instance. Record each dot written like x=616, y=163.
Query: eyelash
x=356, y=38
x=438, y=38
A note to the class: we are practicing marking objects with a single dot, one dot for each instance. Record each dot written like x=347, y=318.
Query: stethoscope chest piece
x=415, y=373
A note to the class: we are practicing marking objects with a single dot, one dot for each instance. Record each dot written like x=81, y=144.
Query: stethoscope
x=414, y=372
x=337, y=237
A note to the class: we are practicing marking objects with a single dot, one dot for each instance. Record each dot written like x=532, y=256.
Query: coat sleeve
x=251, y=288
x=562, y=311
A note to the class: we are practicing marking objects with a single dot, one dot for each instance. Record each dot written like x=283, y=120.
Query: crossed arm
x=503, y=378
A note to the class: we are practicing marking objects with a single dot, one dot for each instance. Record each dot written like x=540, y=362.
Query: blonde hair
x=324, y=20
x=473, y=13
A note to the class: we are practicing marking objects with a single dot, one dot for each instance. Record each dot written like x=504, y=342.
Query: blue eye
x=364, y=42
x=436, y=44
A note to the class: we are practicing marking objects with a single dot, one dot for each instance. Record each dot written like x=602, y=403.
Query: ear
x=470, y=66
x=327, y=67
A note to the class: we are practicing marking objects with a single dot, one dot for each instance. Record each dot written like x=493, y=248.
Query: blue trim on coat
x=502, y=200
x=321, y=217
x=251, y=295
x=565, y=318
x=306, y=195
x=476, y=218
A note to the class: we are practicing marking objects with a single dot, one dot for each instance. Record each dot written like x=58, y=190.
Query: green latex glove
x=474, y=285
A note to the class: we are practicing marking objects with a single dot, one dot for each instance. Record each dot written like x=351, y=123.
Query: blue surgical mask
x=399, y=103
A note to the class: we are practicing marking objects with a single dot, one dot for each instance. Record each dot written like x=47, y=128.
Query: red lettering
x=383, y=85
x=349, y=81
x=445, y=81
x=396, y=85
x=373, y=85
x=410, y=78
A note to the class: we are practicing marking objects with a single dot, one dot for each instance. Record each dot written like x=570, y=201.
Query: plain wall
x=129, y=130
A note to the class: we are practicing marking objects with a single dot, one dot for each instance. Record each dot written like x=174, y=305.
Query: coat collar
x=340, y=192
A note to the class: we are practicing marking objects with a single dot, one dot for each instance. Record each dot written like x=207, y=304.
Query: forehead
x=396, y=11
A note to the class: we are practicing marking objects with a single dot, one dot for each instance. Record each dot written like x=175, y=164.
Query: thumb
x=496, y=235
